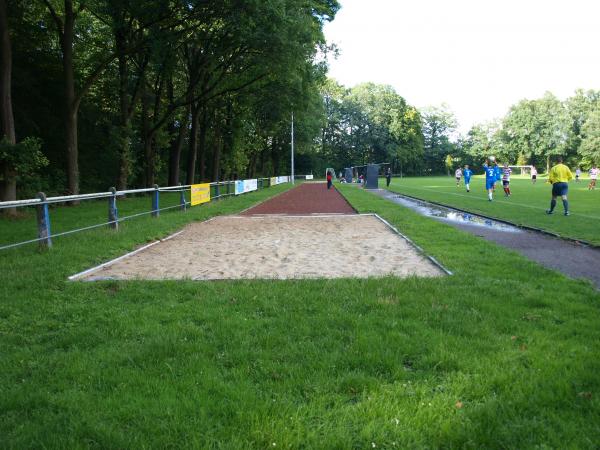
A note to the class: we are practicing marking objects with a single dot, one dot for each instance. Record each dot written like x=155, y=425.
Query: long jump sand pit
x=274, y=247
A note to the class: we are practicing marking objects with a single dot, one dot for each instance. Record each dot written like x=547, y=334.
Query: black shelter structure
x=369, y=171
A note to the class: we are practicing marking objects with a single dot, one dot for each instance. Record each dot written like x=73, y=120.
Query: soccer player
x=458, y=174
x=577, y=174
x=329, y=179
x=467, y=173
x=533, y=174
x=559, y=176
x=594, y=171
x=506, y=171
x=490, y=178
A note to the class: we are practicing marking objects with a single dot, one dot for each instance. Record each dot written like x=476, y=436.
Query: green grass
x=298, y=364
x=88, y=213
x=526, y=206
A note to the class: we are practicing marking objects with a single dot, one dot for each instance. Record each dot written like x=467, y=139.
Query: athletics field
x=503, y=353
x=526, y=205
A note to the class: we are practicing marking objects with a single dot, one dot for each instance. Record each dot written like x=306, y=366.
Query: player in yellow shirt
x=559, y=176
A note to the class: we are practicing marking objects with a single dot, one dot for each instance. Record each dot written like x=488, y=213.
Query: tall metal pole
x=292, y=148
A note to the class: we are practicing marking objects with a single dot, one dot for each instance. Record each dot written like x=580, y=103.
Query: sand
x=275, y=247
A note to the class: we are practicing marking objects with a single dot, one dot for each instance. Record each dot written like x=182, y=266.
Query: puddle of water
x=448, y=215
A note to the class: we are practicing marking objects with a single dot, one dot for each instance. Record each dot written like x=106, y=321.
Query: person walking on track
x=329, y=178
x=559, y=176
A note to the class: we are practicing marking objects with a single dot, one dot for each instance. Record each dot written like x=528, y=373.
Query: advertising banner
x=309, y=177
x=243, y=186
x=239, y=187
x=282, y=180
x=200, y=193
x=273, y=181
x=250, y=185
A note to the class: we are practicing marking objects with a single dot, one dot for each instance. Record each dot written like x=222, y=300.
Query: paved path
x=307, y=198
x=574, y=260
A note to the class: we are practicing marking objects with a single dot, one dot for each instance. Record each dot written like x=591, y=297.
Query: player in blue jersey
x=498, y=170
x=467, y=173
x=490, y=177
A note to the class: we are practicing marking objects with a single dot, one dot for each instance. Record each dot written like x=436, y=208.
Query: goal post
x=523, y=170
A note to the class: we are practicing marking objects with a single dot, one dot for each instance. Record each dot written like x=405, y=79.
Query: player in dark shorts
x=506, y=171
x=559, y=176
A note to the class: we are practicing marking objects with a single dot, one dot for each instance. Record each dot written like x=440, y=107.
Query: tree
x=537, y=128
x=8, y=188
x=590, y=143
x=439, y=124
x=449, y=163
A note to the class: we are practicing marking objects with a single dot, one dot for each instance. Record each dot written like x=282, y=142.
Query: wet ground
x=572, y=259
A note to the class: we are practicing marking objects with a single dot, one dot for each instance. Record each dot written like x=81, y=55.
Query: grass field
x=526, y=206
x=503, y=354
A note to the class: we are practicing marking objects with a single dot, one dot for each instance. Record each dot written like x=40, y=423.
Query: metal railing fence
x=218, y=190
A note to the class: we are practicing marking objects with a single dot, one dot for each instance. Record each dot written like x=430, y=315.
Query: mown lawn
x=526, y=206
x=88, y=213
x=503, y=354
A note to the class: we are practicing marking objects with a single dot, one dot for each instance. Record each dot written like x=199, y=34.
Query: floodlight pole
x=292, y=148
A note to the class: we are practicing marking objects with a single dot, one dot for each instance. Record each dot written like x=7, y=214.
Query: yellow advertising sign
x=200, y=193
x=273, y=181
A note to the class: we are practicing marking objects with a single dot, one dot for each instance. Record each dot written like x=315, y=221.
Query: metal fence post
x=43, y=221
x=113, y=213
x=182, y=202
x=155, y=202
x=217, y=193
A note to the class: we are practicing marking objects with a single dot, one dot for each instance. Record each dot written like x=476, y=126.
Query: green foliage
x=369, y=123
x=24, y=157
x=439, y=125
x=590, y=143
x=139, y=65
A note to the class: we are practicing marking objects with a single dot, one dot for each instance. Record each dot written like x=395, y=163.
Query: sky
x=478, y=56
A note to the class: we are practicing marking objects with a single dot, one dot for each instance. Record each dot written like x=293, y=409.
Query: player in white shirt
x=506, y=171
x=458, y=175
x=594, y=171
x=533, y=174
x=577, y=175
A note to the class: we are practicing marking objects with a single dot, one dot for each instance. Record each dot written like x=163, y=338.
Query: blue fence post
x=43, y=221
x=182, y=201
x=217, y=193
x=113, y=213
x=155, y=202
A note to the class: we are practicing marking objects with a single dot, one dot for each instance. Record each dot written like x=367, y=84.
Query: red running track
x=308, y=198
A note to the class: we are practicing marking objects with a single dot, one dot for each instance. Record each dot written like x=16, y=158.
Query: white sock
x=468, y=189
x=490, y=195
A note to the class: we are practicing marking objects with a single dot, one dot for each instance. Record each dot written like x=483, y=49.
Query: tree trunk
x=147, y=141
x=175, y=151
x=124, y=119
x=216, y=160
x=8, y=188
x=71, y=103
x=202, y=143
x=177, y=136
x=193, y=148
x=275, y=156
